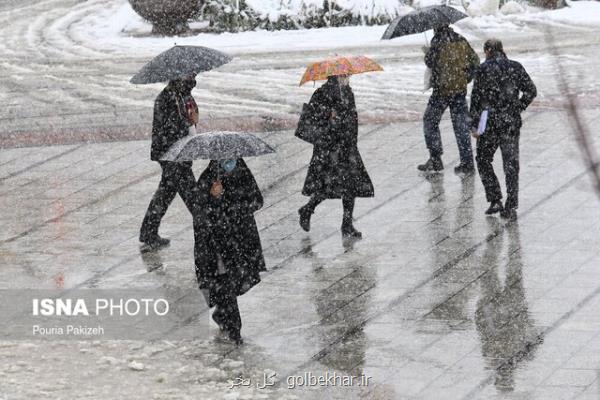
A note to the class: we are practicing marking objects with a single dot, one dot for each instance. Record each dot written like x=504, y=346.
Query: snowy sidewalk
x=437, y=301
x=66, y=67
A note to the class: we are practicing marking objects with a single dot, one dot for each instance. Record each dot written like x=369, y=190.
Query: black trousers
x=226, y=306
x=176, y=178
x=487, y=144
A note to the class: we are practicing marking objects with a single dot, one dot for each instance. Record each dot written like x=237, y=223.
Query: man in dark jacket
x=175, y=111
x=453, y=63
x=504, y=89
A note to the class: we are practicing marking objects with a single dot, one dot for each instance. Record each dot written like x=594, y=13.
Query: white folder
x=482, y=122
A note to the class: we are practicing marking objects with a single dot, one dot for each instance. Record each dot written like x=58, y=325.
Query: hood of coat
x=336, y=92
x=183, y=87
x=446, y=35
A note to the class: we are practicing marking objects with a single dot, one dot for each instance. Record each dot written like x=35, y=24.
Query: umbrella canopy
x=179, y=62
x=339, y=66
x=422, y=20
x=217, y=146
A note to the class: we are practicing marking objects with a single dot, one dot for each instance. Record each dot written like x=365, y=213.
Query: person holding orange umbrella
x=330, y=122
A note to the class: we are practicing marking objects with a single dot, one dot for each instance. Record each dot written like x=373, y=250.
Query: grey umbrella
x=217, y=146
x=422, y=20
x=178, y=62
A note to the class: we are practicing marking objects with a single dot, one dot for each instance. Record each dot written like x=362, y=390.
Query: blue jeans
x=459, y=113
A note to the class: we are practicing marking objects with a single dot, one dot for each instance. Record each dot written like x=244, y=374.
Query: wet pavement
x=437, y=301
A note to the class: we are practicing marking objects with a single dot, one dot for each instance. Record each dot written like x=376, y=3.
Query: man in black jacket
x=174, y=113
x=504, y=89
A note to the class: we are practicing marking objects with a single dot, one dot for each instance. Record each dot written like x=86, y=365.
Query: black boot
x=235, y=336
x=217, y=316
x=495, y=207
x=348, y=230
x=305, y=213
x=433, y=164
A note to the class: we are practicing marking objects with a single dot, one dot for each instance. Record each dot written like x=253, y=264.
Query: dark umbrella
x=179, y=62
x=217, y=146
x=422, y=20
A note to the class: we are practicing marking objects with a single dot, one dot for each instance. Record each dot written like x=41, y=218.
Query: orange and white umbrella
x=339, y=66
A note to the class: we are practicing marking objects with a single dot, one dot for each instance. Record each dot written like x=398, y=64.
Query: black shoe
x=218, y=318
x=236, y=337
x=509, y=214
x=464, y=168
x=495, y=207
x=305, y=215
x=349, y=231
x=155, y=242
x=433, y=164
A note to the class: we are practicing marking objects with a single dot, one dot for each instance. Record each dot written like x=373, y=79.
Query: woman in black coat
x=336, y=169
x=228, y=253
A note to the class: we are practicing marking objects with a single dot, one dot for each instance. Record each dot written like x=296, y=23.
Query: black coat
x=504, y=88
x=170, y=122
x=227, y=228
x=336, y=168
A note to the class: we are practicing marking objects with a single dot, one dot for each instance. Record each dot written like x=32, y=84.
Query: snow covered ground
x=67, y=67
x=114, y=26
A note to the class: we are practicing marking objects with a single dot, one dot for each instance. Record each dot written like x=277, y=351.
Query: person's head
x=339, y=80
x=493, y=48
x=441, y=29
x=343, y=80
x=185, y=84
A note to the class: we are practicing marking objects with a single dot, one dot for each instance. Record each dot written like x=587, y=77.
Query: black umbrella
x=179, y=62
x=422, y=20
x=217, y=146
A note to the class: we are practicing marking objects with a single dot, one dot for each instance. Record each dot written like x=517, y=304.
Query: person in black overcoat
x=228, y=253
x=505, y=90
x=336, y=169
x=175, y=111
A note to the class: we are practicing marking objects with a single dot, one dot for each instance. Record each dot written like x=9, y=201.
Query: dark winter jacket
x=227, y=229
x=170, y=121
x=504, y=88
x=336, y=168
x=452, y=61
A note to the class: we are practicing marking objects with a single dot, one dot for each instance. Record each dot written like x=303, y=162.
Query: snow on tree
x=168, y=17
x=296, y=14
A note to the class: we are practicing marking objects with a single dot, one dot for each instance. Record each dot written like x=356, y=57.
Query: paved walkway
x=437, y=301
